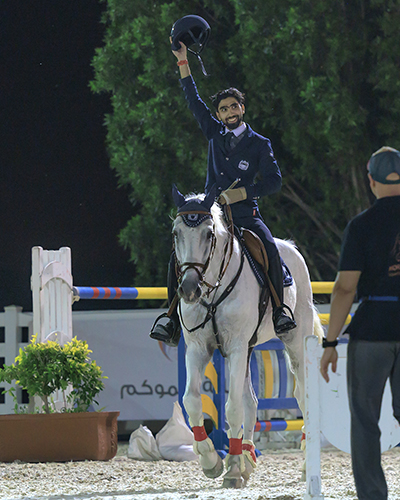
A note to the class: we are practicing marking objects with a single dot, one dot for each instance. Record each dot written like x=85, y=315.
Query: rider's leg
x=170, y=333
x=282, y=322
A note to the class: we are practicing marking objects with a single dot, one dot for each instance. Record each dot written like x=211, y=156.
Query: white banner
x=142, y=375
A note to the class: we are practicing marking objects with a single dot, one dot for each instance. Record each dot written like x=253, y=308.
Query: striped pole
x=279, y=425
x=161, y=293
x=93, y=292
x=133, y=293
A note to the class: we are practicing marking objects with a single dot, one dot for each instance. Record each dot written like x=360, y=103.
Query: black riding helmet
x=191, y=30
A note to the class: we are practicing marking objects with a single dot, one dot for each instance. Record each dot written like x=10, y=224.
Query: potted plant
x=45, y=434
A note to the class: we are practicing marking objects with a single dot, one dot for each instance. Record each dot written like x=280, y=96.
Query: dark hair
x=224, y=94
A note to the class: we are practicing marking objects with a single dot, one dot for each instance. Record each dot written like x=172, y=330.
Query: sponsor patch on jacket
x=243, y=165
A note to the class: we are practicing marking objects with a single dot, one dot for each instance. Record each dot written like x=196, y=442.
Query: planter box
x=58, y=437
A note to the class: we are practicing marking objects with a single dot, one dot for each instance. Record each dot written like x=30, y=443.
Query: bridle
x=201, y=269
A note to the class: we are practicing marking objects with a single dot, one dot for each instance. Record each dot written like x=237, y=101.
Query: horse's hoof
x=216, y=471
x=233, y=482
x=246, y=475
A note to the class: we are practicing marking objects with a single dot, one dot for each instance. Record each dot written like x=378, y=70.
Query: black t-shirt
x=371, y=244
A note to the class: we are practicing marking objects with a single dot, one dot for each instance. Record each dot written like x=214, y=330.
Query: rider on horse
x=237, y=156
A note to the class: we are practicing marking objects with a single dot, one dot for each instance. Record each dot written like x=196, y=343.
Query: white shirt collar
x=237, y=131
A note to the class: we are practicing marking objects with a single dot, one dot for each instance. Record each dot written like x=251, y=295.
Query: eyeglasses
x=224, y=109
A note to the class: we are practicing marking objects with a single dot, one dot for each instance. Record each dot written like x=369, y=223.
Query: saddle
x=258, y=258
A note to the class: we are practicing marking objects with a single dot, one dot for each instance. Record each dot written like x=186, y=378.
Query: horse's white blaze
x=236, y=319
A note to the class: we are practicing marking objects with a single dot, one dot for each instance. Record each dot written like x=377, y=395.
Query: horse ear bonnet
x=192, y=31
x=178, y=197
x=193, y=211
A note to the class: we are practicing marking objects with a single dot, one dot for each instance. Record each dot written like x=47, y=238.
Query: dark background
x=57, y=188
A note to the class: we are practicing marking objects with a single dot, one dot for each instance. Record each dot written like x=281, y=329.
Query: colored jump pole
x=133, y=293
x=127, y=293
x=161, y=293
x=279, y=425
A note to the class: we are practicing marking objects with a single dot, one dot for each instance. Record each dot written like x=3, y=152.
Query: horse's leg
x=196, y=362
x=250, y=417
x=234, y=415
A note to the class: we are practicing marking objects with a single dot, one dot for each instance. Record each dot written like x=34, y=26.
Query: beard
x=235, y=124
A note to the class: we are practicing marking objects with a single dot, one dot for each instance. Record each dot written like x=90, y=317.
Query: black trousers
x=258, y=226
x=369, y=365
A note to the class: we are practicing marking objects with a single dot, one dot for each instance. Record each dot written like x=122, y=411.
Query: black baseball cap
x=384, y=162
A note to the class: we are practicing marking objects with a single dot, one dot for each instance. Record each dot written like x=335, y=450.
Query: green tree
x=322, y=83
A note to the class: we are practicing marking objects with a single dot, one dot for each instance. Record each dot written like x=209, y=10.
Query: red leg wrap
x=235, y=446
x=200, y=433
x=251, y=449
x=303, y=436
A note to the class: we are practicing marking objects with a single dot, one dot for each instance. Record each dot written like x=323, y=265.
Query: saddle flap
x=256, y=248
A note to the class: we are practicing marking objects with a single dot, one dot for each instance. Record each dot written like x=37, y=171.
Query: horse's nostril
x=189, y=291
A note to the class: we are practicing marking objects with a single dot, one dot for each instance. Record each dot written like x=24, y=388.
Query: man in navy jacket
x=236, y=154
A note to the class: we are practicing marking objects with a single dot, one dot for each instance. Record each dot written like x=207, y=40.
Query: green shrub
x=44, y=367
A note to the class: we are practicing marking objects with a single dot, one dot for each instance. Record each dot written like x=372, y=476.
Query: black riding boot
x=282, y=322
x=170, y=333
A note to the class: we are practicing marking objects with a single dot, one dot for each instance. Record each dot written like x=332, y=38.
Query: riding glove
x=230, y=196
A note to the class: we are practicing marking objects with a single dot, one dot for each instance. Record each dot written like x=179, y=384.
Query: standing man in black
x=370, y=265
x=236, y=154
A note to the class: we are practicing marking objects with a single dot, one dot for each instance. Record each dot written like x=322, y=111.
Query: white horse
x=218, y=308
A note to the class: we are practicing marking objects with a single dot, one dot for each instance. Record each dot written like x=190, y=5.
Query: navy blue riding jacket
x=252, y=160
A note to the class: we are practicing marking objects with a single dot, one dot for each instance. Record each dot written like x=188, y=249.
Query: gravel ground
x=276, y=477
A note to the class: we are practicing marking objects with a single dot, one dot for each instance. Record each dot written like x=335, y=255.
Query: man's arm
x=183, y=62
x=342, y=299
x=209, y=125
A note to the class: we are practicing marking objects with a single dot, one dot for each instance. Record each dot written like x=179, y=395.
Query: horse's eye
x=209, y=234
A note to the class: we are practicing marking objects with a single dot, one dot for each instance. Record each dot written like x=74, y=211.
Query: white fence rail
x=15, y=332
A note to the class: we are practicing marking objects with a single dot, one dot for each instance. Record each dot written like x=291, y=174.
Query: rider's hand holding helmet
x=180, y=54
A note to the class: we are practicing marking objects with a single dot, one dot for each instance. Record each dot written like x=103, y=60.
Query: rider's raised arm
x=209, y=125
x=183, y=63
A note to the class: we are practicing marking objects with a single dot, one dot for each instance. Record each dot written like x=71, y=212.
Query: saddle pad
x=287, y=275
x=256, y=266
